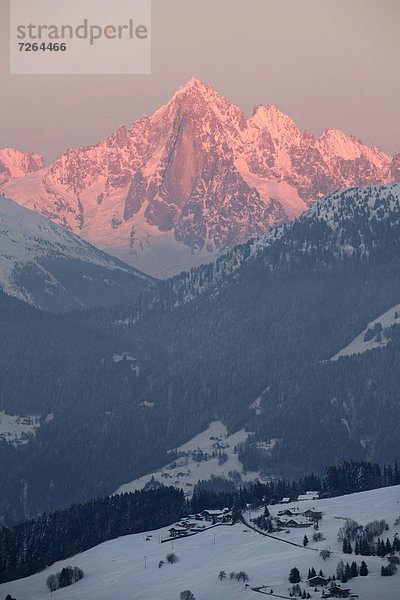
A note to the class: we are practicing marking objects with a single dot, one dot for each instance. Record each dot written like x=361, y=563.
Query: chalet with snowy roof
x=177, y=531
x=285, y=501
x=297, y=523
x=288, y=513
x=308, y=496
x=211, y=515
x=335, y=591
x=293, y=523
x=318, y=581
x=187, y=524
x=226, y=517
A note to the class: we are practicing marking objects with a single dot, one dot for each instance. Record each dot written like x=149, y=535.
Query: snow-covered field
x=116, y=569
x=185, y=472
x=359, y=345
x=16, y=429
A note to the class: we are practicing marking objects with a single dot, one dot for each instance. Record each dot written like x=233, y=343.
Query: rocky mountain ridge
x=194, y=179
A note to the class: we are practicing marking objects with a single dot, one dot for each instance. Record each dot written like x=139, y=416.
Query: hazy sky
x=326, y=63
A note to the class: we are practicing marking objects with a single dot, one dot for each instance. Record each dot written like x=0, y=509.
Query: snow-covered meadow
x=359, y=344
x=185, y=471
x=127, y=568
x=17, y=429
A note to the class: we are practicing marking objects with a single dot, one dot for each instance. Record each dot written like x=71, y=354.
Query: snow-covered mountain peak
x=281, y=126
x=197, y=101
x=335, y=142
x=195, y=178
x=195, y=85
x=196, y=92
x=337, y=148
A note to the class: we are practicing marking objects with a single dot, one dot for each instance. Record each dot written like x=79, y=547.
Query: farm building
x=318, y=581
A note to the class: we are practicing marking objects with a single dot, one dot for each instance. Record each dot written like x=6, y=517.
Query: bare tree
x=52, y=583
x=325, y=554
x=172, y=558
x=186, y=595
x=221, y=575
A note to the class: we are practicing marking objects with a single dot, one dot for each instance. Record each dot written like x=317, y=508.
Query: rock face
x=395, y=172
x=15, y=164
x=194, y=179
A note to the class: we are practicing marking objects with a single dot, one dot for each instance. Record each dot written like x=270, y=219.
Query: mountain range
x=191, y=181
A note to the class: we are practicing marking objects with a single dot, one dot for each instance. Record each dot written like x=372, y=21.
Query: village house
x=335, y=591
x=318, y=581
x=187, y=524
x=314, y=515
x=211, y=515
x=297, y=523
x=177, y=531
x=226, y=517
x=310, y=495
x=293, y=523
x=288, y=513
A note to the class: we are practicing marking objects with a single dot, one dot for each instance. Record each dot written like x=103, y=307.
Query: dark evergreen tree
x=363, y=569
x=311, y=573
x=294, y=575
x=354, y=569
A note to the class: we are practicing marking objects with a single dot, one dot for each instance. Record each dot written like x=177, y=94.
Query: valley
x=200, y=300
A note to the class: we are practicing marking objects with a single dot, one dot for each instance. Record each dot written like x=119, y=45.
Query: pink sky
x=326, y=63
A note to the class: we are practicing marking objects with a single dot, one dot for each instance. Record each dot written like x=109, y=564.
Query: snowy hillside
x=348, y=223
x=50, y=267
x=127, y=568
x=194, y=179
x=373, y=336
x=200, y=458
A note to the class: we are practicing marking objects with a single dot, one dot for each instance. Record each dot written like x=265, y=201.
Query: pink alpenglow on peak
x=15, y=164
x=197, y=177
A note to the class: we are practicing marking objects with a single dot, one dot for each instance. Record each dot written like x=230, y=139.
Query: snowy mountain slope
x=127, y=567
x=194, y=179
x=352, y=222
x=15, y=164
x=373, y=336
x=52, y=268
x=189, y=467
x=359, y=222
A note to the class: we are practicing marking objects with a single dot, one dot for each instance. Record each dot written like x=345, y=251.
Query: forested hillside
x=125, y=384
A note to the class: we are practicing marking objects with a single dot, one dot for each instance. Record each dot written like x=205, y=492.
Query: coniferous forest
x=203, y=347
